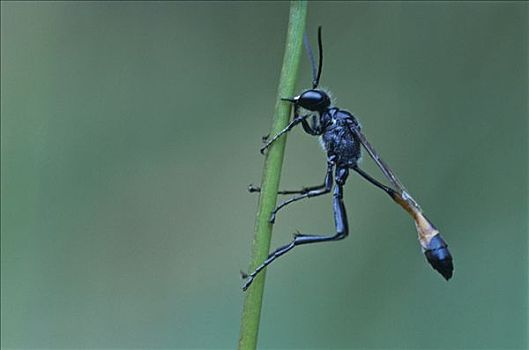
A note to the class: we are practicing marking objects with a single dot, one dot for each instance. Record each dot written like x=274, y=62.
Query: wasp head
x=312, y=100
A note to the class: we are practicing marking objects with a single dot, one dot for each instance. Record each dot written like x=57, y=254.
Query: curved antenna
x=316, y=72
x=308, y=48
x=316, y=82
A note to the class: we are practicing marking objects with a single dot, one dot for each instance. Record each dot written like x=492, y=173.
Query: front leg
x=289, y=127
x=312, y=129
x=297, y=119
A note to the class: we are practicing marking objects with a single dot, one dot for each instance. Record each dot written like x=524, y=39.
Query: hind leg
x=341, y=224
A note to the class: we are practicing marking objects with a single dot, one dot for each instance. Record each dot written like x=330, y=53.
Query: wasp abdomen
x=439, y=256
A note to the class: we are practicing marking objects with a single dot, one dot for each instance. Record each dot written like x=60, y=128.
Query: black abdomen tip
x=439, y=257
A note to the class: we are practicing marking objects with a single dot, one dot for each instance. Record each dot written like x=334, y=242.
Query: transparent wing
x=425, y=228
x=384, y=167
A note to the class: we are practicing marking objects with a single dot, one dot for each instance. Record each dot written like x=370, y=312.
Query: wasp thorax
x=314, y=100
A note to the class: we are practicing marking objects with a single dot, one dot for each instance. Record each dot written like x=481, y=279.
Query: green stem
x=271, y=174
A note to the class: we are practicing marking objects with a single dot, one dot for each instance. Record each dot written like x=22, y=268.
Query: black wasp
x=342, y=139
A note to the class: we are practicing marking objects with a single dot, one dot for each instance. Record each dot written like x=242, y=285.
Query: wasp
x=342, y=139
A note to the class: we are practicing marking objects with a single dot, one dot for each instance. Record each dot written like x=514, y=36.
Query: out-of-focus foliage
x=131, y=130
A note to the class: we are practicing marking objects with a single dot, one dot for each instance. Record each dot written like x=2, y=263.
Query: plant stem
x=271, y=174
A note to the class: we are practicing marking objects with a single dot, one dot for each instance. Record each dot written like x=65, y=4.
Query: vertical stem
x=271, y=175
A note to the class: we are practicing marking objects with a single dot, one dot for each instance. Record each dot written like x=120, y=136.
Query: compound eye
x=311, y=97
x=314, y=100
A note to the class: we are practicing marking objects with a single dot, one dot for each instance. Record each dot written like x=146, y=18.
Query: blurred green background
x=130, y=131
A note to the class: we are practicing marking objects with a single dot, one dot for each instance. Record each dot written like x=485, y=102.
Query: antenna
x=320, y=65
x=316, y=72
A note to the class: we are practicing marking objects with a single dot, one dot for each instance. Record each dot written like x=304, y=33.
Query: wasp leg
x=289, y=127
x=317, y=191
x=304, y=190
x=314, y=128
x=340, y=219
